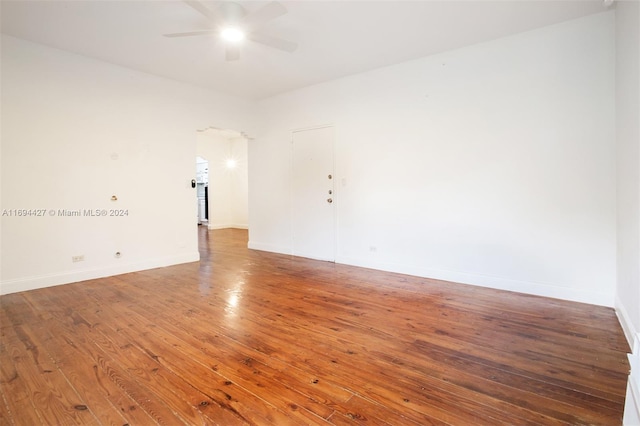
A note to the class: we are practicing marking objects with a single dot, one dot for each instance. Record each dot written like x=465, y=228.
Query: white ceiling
x=336, y=38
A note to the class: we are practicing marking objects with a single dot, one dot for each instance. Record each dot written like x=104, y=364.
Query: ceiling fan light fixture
x=232, y=34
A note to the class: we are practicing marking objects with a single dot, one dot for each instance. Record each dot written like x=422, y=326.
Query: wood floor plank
x=85, y=375
x=66, y=358
x=532, y=396
x=197, y=330
x=193, y=366
x=179, y=396
x=16, y=394
x=285, y=334
x=53, y=400
x=74, y=355
x=246, y=337
x=102, y=372
x=542, y=348
x=365, y=375
x=204, y=403
x=361, y=411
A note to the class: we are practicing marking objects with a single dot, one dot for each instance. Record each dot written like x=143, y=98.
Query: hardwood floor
x=249, y=337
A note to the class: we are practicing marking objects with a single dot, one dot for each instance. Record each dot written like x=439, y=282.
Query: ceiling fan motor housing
x=233, y=13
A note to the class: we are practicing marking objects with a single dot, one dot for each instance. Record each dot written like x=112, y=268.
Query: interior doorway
x=202, y=190
x=227, y=188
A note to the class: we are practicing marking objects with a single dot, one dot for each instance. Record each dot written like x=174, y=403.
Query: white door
x=313, y=194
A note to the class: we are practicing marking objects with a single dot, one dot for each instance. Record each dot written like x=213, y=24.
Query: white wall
x=628, y=190
x=65, y=120
x=228, y=187
x=240, y=182
x=491, y=165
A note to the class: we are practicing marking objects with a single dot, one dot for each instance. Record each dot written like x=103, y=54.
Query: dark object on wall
x=206, y=202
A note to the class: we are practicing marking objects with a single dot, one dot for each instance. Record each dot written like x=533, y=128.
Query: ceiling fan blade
x=232, y=53
x=214, y=17
x=191, y=33
x=265, y=14
x=275, y=42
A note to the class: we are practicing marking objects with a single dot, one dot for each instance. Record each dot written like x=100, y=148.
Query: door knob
x=329, y=200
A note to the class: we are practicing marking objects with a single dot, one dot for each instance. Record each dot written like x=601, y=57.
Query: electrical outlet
x=75, y=259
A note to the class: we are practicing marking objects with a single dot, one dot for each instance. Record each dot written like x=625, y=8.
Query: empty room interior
x=320, y=212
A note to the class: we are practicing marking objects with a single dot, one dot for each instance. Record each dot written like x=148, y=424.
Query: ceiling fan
x=233, y=23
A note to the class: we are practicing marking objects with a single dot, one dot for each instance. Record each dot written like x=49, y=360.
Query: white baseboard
x=625, y=321
x=228, y=225
x=527, y=287
x=632, y=402
x=268, y=247
x=50, y=280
